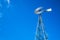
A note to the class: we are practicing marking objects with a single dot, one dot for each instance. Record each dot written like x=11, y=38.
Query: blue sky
x=18, y=21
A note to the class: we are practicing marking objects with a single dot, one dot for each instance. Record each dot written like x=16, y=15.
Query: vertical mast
x=40, y=32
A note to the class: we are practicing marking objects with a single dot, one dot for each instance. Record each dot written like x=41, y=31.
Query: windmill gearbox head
x=39, y=10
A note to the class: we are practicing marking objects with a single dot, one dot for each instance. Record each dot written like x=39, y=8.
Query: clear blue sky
x=18, y=22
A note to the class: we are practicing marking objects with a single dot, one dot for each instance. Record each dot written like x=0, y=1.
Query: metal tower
x=40, y=31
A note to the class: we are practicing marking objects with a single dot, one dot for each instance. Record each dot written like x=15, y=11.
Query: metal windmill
x=40, y=31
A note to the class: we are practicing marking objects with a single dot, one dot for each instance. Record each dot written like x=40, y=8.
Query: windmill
x=40, y=31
